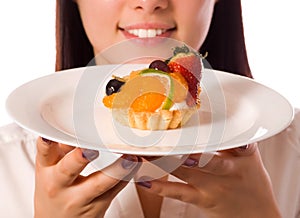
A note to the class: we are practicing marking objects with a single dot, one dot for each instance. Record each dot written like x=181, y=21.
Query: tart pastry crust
x=160, y=120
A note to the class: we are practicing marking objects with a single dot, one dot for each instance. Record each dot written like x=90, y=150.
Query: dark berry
x=160, y=65
x=113, y=86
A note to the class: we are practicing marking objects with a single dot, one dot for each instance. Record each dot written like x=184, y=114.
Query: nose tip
x=149, y=6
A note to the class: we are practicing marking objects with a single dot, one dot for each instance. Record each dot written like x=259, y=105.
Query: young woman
x=257, y=180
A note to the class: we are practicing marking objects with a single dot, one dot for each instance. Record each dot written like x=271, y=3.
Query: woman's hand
x=60, y=190
x=233, y=183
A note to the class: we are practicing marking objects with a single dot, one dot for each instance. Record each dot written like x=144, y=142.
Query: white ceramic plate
x=67, y=107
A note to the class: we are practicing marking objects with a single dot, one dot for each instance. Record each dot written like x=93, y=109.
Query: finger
x=220, y=163
x=48, y=152
x=217, y=163
x=69, y=168
x=121, y=170
x=176, y=190
x=66, y=148
x=246, y=150
x=191, y=160
x=103, y=201
x=193, y=176
x=118, y=187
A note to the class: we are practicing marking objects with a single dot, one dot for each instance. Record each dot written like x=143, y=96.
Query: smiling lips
x=146, y=32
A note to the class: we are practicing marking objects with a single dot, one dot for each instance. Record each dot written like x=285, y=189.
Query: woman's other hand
x=231, y=183
x=60, y=190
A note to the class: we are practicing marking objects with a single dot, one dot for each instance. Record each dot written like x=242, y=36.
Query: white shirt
x=280, y=154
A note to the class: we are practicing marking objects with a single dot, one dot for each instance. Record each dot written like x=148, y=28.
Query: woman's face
x=111, y=21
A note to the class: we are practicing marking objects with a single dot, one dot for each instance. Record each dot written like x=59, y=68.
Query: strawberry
x=190, y=66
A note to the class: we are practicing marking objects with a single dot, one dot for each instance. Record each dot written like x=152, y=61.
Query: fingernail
x=145, y=182
x=189, y=162
x=128, y=161
x=47, y=141
x=89, y=154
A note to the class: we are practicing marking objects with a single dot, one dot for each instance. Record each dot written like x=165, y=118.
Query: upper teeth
x=144, y=33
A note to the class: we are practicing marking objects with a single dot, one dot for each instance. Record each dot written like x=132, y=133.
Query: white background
x=27, y=46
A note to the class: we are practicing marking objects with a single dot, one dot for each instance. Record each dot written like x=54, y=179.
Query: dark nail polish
x=190, y=162
x=128, y=161
x=47, y=141
x=89, y=154
x=145, y=182
x=244, y=147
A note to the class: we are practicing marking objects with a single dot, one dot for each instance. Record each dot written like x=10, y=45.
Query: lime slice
x=166, y=78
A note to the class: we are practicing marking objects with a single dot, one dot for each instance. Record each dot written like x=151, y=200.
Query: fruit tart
x=163, y=96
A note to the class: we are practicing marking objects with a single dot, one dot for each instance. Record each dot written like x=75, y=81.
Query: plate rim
x=73, y=141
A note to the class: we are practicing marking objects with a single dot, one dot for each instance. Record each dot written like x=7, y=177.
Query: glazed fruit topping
x=160, y=85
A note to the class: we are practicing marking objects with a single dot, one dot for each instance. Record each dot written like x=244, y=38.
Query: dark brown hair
x=225, y=42
x=73, y=48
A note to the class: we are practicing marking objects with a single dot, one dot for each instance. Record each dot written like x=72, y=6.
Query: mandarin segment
x=108, y=100
x=148, y=102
